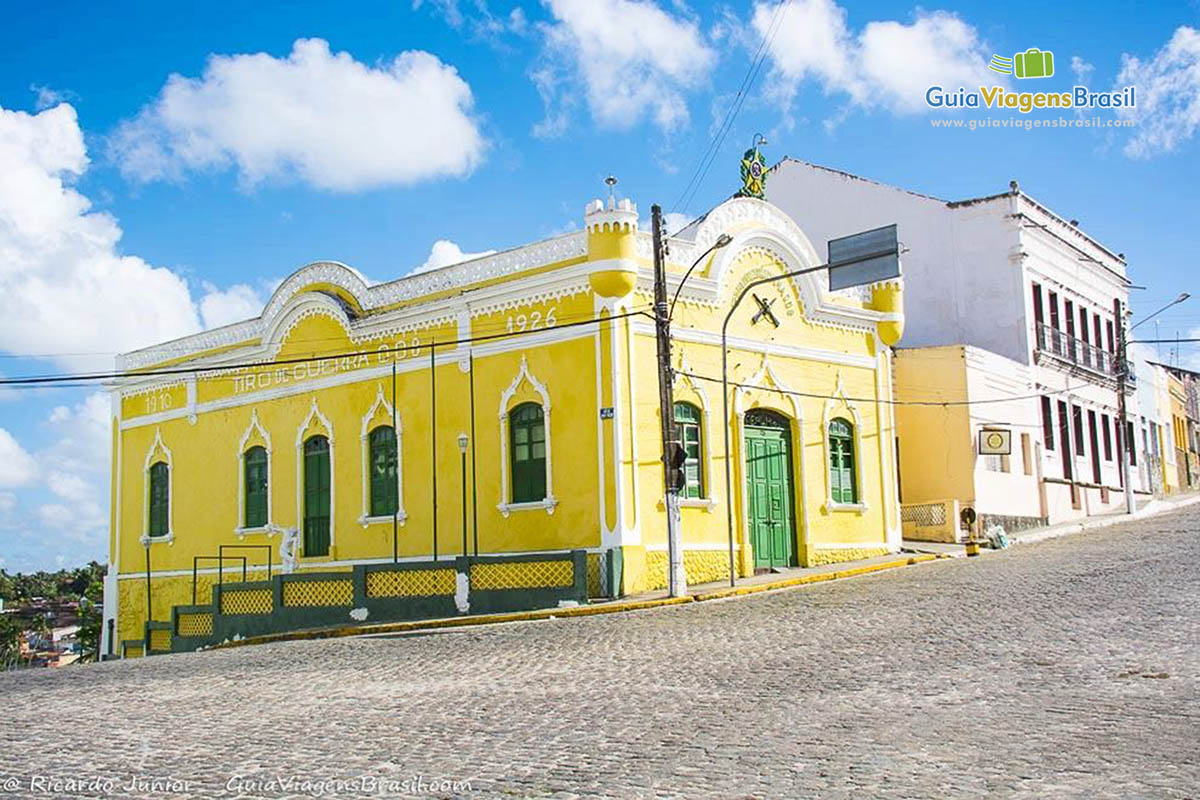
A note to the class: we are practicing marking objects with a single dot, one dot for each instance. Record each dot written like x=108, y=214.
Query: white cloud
x=64, y=286
x=480, y=20
x=223, y=307
x=629, y=58
x=444, y=253
x=1081, y=69
x=1168, y=95
x=315, y=116
x=887, y=65
x=17, y=467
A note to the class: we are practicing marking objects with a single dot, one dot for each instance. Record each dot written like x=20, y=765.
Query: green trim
x=254, y=476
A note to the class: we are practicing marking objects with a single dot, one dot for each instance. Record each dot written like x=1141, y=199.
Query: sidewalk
x=1149, y=509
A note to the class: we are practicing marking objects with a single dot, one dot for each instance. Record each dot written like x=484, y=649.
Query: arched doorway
x=770, y=496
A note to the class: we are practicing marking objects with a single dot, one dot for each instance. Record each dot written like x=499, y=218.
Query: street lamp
x=1182, y=296
x=462, y=452
x=721, y=241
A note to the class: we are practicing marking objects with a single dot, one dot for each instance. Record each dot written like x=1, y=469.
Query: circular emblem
x=995, y=440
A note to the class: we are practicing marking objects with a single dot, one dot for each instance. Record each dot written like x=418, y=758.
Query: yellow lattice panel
x=160, y=640
x=132, y=650
x=247, y=601
x=594, y=582
x=309, y=594
x=411, y=583
x=522, y=575
x=195, y=625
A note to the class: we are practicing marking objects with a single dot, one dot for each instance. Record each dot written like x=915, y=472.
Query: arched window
x=254, y=473
x=381, y=444
x=843, y=488
x=316, y=496
x=160, y=499
x=527, y=429
x=687, y=427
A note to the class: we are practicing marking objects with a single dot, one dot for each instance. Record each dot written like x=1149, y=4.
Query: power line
x=932, y=403
x=714, y=146
x=72, y=379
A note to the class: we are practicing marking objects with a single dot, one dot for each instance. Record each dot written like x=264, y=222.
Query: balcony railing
x=1076, y=351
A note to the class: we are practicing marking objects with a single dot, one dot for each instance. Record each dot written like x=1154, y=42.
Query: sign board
x=967, y=517
x=995, y=442
x=863, y=258
x=606, y=412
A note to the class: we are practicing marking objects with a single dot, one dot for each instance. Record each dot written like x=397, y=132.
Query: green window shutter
x=316, y=496
x=841, y=462
x=527, y=432
x=160, y=500
x=687, y=427
x=385, y=497
x=254, y=466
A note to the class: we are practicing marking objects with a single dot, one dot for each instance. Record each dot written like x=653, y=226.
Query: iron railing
x=1083, y=354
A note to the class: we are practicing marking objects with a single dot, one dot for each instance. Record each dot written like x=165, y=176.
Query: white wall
x=962, y=276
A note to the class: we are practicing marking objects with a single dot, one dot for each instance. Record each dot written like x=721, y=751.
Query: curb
x=574, y=611
x=1153, y=509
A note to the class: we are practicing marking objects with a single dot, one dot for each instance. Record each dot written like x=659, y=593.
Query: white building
x=1007, y=275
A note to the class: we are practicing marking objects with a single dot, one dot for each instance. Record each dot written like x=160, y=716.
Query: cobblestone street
x=1065, y=668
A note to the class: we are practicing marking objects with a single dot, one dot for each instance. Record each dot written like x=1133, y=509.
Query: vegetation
x=82, y=584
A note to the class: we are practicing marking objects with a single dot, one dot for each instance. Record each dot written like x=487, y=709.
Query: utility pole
x=676, y=577
x=1124, y=436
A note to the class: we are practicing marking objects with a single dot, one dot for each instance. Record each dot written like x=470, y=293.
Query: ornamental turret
x=612, y=229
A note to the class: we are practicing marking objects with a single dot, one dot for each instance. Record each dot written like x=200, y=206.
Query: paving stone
x=1066, y=668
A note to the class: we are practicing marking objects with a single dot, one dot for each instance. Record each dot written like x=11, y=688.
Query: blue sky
x=135, y=205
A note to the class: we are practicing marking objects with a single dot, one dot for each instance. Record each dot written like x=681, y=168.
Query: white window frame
x=156, y=447
x=314, y=413
x=548, y=504
x=836, y=404
x=392, y=421
x=241, y=529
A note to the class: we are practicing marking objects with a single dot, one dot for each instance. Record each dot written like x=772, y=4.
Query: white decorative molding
x=254, y=426
x=345, y=281
x=839, y=401
x=314, y=414
x=157, y=447
x=549, y=502
x=393, y=420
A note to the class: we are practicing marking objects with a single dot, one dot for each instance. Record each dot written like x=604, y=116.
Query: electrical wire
x=930, y=403
x=72, y=379
x=710, y=153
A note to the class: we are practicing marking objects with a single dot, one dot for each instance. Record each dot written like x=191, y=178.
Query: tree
x=91, y=613
x=10, y=642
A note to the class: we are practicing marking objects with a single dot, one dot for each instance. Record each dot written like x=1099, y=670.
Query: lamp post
x=676, y=577
x=1125, y=434
x=462, y=452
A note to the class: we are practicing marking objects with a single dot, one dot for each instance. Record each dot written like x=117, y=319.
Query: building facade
x=508, y=405
x=1006, y=275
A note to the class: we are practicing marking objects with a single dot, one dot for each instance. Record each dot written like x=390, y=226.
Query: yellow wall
x=937, y=459
x=605, y=474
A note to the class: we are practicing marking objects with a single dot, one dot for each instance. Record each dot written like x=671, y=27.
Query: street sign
x=995, y=442
x=861, y=258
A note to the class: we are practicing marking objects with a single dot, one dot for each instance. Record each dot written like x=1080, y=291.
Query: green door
x=316, y=496
x=769, y=489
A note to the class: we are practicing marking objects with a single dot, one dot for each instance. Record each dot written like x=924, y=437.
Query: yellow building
x=519, y=391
